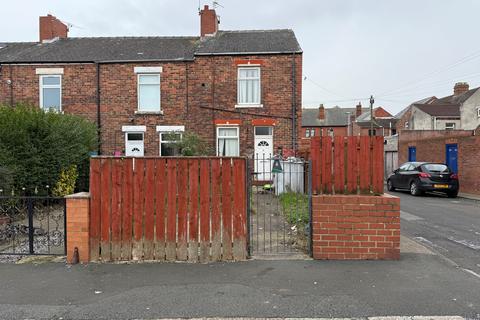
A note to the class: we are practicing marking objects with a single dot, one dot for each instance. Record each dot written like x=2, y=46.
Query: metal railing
x=32, y=225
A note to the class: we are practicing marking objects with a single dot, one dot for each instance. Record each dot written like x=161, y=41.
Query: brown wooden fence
x=347, y=165
x=168, y=209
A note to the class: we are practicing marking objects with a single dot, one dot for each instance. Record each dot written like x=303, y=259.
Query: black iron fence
x=32, y=226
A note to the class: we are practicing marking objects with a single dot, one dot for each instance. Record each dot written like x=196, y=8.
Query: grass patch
x=295, y=208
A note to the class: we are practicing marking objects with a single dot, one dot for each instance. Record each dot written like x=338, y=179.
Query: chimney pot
x=208, y=21
x=358, y=110
x=51, y=28
x=321, y=112
x=460, y=87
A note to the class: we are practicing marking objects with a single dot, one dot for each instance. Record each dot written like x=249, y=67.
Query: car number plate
x=441, y=186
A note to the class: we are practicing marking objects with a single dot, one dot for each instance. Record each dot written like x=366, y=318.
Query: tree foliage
x=36, y=146
x=190, y=145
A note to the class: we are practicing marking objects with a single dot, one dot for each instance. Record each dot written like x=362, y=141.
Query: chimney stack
x=51, y=28
x=321, y=112
x=209, y=22
x=459, y=88
x=358, y=110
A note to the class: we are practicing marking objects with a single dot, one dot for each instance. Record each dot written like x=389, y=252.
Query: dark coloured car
x=420, y=177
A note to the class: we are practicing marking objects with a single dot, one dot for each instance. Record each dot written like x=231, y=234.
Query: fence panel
x=168, y=209
x=345, y=165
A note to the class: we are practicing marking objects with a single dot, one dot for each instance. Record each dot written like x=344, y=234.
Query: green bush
x=35, y=146
x=66, y=182
x=190, y=145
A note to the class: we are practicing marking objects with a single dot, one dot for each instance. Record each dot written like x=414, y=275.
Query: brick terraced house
x=238, y=90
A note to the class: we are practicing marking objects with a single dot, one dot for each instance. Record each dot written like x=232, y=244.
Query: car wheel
x=452, y=194
x=390, y=186
x=414, y=189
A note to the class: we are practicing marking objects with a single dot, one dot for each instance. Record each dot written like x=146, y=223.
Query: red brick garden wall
x=351, y=227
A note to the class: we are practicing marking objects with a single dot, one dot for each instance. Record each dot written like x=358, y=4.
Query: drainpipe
x=294, y=106
x=99, y=118
x=11, y=86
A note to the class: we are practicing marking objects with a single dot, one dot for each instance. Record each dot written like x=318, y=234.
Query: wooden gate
x=185, y=209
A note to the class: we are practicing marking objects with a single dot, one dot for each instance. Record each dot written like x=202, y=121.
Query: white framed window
x=249, y=87
x=312, y=132
x=51, y=92
x=169, y=135
x=148, y=92
x=406, y=124
x=478, y=112
x=307, y=133
x=228, y=144
x=450, y=126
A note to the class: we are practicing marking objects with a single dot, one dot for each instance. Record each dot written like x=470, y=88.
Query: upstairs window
x=307, y=133
x=51, y=92
x=478, y=112
x=249, y=92
x=149, y=92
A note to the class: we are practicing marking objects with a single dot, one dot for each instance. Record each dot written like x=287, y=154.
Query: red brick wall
x=356, y=227
x=431, y=147
x=78, y=235
x=194, y=94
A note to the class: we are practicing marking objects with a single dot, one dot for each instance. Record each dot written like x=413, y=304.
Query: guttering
x=246, y=53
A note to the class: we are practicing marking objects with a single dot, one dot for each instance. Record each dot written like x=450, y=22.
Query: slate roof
x=422, y=101
x=452, y=99
x=440, y=110
x=251, y=41
x=380, y=122
x=334, y=117
x=108, y=49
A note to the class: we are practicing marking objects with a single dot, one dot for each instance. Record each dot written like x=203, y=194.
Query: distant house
x=329, y=121
x=459, y=111
x=384, y=123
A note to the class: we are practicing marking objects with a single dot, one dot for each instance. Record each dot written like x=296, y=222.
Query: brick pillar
x=78, y=232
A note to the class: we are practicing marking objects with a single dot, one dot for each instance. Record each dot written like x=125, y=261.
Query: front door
x=412, y=154
x=134, y=146
x=263, y=153
x=452, y=157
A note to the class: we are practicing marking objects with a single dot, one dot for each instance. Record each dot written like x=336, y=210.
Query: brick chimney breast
x=51, y=28
x=460, y=88
x=358, y=110
x=321, y=112
x=209, y=21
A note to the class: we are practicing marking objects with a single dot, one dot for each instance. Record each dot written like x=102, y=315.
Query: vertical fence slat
x=171, y=210
x=95, y=209
x=226, y=209
x=193, y=240
x=117, y=178
x=315, y=152
x=182, y=185
x=239, y=210
x=160, y=191
x=327, y=164
x=364, y=165
x=149, y=209
x=339, y=169
x=378, y=172
x=105, y=180
x=138, y=207
x=216, y=217
x=352, y=164
x=127, y=208
x=204, y=210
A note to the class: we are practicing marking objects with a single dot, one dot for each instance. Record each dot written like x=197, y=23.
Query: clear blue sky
x=400, y=51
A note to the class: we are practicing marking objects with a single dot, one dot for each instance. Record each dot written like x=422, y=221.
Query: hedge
x=37, y=146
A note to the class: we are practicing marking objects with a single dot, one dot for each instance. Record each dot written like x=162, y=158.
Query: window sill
x=138, y=112
x=249, y=106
